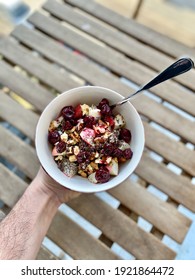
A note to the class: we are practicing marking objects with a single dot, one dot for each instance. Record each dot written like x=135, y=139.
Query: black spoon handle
x=177, y=68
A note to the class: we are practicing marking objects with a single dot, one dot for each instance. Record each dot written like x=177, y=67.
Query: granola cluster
x=90, y=141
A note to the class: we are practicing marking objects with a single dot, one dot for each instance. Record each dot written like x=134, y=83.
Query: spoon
x=177, y=68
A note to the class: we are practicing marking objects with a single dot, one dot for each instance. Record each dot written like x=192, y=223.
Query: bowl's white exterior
x=89, y=95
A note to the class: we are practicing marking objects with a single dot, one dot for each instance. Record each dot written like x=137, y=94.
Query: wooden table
x=79, y=42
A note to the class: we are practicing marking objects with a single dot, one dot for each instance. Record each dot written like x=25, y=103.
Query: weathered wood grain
x=18, y=153
x=37, y=66
x=11, y=186
x=45, y=254
x=18, y=116
x=166, y=117
x=178, y=187
x=32, y=92
x=159, y=213
x=173, y=151
x=76, y=241
x=121, y=229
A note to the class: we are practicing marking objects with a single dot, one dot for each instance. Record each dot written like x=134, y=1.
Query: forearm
x=23, y=230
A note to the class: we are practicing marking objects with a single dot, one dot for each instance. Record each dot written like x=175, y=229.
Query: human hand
x=49, y=185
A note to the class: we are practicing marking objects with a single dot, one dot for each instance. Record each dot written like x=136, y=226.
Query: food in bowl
x=90, y=141
x=88, y=95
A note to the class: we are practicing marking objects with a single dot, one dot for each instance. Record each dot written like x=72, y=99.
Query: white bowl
x=89, y=95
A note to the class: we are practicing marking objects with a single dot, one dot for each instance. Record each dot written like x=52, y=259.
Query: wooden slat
x=63, y=231
x=166, y=118
x=121, y=229
x=126, y=44
x=11, y=186
x=175, y=186
x=159, y=213
x=45, y=254
x=18, y=153
x=56, y=52
x=93, y=74
x=33, y=93
x=37, y=66
x=18, y=116
x=76, y=241
x=170, y=149
x=134, y=29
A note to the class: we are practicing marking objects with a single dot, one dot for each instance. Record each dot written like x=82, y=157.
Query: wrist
x=45, y=194
x=42, y=184
x=55, y=191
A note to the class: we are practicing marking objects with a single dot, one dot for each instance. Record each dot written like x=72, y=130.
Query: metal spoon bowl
x=177, y=68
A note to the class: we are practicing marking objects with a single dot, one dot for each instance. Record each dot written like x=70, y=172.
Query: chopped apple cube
x=113, y=167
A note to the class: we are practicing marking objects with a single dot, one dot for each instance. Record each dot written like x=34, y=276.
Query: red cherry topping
x=109, y=119
x=83, y=157
x=108, y=149
x=61, y=147
x=125, y=135
x=117, y=153
x=53, y=137
x=89, y=121
x=106, y=110
x=128, y=153
x=68, y=112
x=102, y=175
x=78, y=112
x=102, y=102
x=67, y=125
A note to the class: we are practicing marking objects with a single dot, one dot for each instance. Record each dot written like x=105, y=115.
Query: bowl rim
x=100, y=187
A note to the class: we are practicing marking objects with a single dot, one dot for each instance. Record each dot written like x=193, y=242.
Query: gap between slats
x=18, y=116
